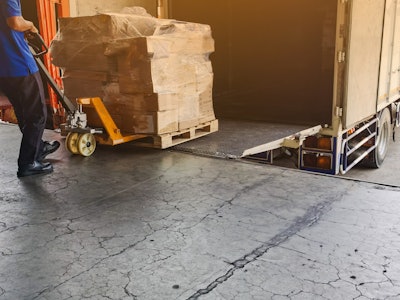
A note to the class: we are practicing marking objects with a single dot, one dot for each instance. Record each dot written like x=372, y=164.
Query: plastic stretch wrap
x=154, y=75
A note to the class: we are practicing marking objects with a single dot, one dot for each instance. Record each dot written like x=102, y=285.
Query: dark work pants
x=26, y=94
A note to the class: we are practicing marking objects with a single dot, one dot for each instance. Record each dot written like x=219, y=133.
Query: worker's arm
x=18, y=23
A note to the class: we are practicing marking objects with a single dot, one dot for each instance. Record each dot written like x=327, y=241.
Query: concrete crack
x=126, y=290
x=49, y=289
x=311, y=217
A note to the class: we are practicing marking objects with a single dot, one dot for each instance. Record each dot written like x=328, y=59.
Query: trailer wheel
x=86, y=144
x=71, y=142
x=383, y=139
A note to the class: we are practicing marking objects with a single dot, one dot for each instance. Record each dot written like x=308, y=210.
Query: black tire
x=378, y=155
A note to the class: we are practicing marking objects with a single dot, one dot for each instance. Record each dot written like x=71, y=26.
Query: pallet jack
x=80, y=137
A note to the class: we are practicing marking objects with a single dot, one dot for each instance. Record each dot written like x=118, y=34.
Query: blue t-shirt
x=16, y=59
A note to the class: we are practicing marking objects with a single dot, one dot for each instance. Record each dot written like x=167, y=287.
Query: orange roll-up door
x=48, y=12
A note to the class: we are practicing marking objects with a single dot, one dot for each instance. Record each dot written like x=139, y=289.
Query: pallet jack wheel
x=86, y=144
x=71, y=142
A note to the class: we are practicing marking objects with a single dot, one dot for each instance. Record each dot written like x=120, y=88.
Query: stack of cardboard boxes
x=154, y=75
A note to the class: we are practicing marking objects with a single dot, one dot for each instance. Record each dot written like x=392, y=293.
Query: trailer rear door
x=363, y=59
x=389, y=80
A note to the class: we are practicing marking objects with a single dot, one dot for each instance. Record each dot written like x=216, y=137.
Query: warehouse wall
x=92, y=7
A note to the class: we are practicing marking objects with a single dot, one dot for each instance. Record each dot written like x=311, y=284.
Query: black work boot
x=48, y=148
x=35, y=168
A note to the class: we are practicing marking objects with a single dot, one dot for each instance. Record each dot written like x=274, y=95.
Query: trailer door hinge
x=339, y=111
x=341, y=56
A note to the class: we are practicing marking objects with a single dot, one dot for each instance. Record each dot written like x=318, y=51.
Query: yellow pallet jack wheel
x=71, y=142
x=86, y=144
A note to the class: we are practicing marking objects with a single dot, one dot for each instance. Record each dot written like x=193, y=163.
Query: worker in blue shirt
x=20, y=81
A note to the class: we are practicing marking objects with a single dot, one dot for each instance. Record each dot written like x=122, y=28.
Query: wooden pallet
x=167, y=140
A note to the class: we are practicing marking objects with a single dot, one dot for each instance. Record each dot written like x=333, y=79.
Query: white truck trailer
x=333, y=65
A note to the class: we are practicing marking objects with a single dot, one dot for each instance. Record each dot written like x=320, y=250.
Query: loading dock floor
x=235, y=137
x=138, y=223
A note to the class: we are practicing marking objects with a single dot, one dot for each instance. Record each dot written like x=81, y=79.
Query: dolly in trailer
x=80, y=138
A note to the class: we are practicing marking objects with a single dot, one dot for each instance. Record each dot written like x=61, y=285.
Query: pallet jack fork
x=80, y=138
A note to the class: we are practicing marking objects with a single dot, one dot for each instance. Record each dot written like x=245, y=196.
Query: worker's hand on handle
x=34, y=29
x=18, y=23
x=36, y=43
x=31, y=35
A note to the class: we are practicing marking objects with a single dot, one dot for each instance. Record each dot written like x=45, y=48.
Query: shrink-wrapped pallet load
x=154, y=75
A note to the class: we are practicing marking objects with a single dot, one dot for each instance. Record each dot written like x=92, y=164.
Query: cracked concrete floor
x=135, y=223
